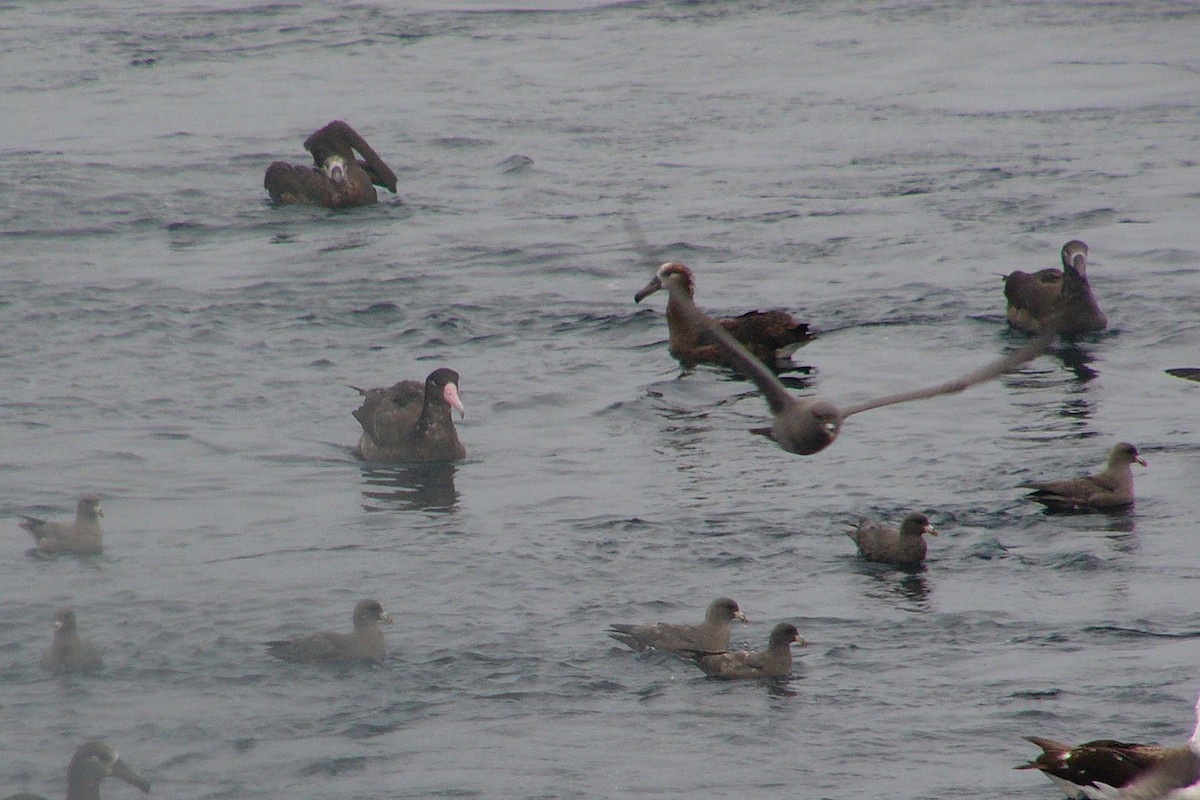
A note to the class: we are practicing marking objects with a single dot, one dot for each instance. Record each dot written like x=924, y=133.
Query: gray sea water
x=172, y=342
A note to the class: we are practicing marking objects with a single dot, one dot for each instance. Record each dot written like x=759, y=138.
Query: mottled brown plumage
x=81, y=537
x=411, y=421
x=363, y=645
x=773, y=662
x=712, y=635
x=68, y=651
x=339, y=180
x=1112, y=488
x=883, y=543
x=1055, y=301
x=772, y=336
x=93, y=762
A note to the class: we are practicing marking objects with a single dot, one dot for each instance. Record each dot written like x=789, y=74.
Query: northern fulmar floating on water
x=93, y=762
x=1055, y=301
x=411, y=421
x=81, y=537
x=70, y=652
x=773, y=662
x=807, y=425
x=883, y=543
x=772, y=336
x=340, y=180
x=1112, y=488
x=363, y=645
x=711, y=635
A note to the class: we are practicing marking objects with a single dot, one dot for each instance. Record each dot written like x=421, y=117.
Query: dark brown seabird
x=339, y=180
x=1055, y=301
x=81, y=537
x=771, y=336
x=1187, y=373
x=773, y=662
x=363, y=645
x=883, y=543
x=1094, y=769
x=70, y=652
x=1106, y=769
x=93, y=762
x=807, y=425
x=712, y=635
x=1176, y=776
x=1112, y=488
x=411, y=421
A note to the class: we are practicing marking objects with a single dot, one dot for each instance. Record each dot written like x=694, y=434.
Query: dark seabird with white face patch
x=773, y=662
x=711, y=635
x=81, y=537
x=807, y=425
x=68, y=651
x=1112, y=488
x=93, y=762
x=1055, y=301
x=411, y=421
x=771, y=336
x=339, y=179
x=362, y=645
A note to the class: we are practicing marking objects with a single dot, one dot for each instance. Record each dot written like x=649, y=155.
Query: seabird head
x=673, y=272
x=335, y=169
x=1074, y=256
x=917, y=523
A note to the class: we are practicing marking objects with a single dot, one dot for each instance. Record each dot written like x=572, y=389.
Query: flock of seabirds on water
x=411, y=421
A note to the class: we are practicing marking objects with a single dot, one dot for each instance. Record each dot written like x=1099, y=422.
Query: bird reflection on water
x=409, y=487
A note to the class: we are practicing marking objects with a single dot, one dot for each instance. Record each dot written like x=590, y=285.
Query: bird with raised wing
x=807, y=425
x=339, y=180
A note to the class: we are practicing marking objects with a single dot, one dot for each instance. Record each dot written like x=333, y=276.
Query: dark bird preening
x=1055, y=301
x=81, y=537
x=1112, y=488
x=885, y=544
x=411, y=421
x=362, y=645
x=807, y=425
x=339, y=180
x=773, y=662
x=93, y=762
x=711, y=635
x=68, y=651
x=771, y=336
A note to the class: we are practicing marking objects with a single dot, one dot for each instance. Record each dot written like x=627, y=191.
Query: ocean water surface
x=174, y=343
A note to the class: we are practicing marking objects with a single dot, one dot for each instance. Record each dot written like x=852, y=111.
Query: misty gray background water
x=172, y=342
